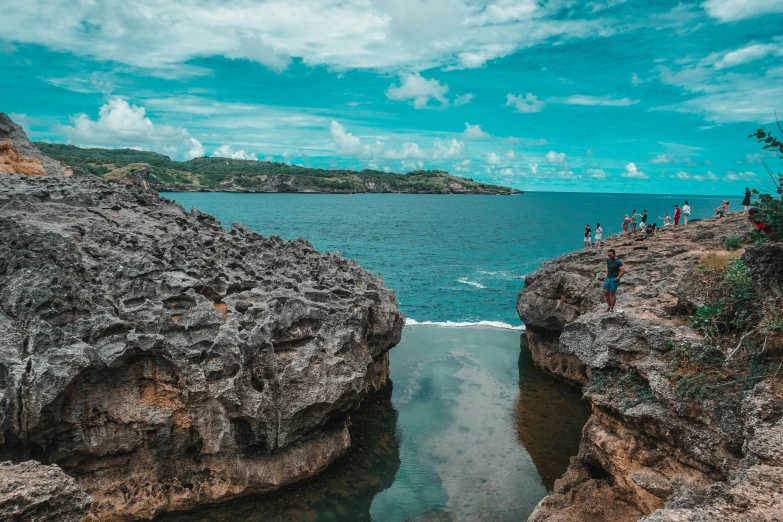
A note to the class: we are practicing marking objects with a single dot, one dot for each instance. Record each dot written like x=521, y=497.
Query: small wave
x=464, y=324
x=464, y=281
x=501, y=274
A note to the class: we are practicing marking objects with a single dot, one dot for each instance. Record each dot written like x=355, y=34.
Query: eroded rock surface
x=33, y=492
x=646, y=452
x=166, y=362
x=19, y=156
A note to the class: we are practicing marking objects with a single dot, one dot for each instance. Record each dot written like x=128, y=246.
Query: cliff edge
x=165, y=362
x=684, y=382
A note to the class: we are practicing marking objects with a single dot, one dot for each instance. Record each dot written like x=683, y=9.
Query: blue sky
x=606, y=95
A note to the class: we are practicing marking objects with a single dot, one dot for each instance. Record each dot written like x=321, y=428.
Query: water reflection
x=471, y=432
x=549, y=417
x=341, y=493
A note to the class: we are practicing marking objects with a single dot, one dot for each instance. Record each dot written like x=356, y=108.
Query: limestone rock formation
x=166, y=362
x=32, y=492
x=19, y=156
x=646, y=450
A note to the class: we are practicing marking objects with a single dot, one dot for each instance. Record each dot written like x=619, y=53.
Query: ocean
x=470, y=430
x=452, y=259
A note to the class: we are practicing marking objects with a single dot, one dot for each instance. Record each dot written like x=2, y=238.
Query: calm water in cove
x=449, y=258
x=471, y=431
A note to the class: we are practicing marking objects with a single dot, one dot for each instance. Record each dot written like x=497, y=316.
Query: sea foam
x=464, y=324
x=464, y=281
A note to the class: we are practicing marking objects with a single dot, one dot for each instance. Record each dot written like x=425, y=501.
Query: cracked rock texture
x=657, y=459
x=166, y=362
x=31, y=491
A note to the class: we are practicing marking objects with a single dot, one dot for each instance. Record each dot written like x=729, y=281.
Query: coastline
x=188, y=188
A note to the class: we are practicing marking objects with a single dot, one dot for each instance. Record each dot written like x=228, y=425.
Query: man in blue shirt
x=614, y=271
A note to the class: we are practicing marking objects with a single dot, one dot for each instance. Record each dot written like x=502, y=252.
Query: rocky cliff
x=165, y=362
x=687, y=419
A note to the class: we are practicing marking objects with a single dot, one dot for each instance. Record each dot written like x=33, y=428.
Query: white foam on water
x=502, y=274
x=464, y=324
x=464, y=281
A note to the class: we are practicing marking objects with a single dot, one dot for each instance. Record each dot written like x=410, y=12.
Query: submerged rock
x=166, y=362
x=648, y=451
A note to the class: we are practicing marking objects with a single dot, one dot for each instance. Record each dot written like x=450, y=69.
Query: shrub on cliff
x=771, y=206
x=733, y=243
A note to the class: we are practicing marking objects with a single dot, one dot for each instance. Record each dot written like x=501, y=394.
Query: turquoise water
x=449, y=258
x=471, y=432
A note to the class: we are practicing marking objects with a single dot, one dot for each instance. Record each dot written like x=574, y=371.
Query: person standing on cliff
x=746, y=201
x=686, y=212
x=588, y=233
x=676, y=216
x=634, y=222
x=599, y=234
x=614, y=271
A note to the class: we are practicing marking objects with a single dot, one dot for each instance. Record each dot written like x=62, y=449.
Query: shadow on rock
x=345, y=491
x=550, y=415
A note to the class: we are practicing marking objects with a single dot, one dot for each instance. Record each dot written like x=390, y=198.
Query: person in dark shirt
x=588, y=233
x=614, y=272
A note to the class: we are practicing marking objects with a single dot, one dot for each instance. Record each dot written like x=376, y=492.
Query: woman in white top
x=666, y=220
x=686, y=212
x=599, y=232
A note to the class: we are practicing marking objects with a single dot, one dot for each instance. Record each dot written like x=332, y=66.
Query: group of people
x=614, y=266
x=638, y=223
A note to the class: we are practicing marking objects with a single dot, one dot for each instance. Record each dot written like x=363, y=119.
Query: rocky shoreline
x=650, y=452
x=165, y=362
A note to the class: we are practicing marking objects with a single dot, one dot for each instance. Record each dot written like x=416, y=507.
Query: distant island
x=211, y=174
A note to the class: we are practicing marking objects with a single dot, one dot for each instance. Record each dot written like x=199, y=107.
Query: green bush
x=733, y=243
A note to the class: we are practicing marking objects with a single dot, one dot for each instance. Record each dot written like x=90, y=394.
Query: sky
x=599, y=96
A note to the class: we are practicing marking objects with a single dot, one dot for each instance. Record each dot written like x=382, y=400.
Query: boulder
x=165, y=361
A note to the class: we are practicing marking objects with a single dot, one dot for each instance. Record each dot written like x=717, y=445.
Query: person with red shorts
x=676, y=216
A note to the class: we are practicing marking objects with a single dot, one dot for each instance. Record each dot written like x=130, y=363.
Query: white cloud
x=683, y=175
x=463, y=99
x=746, y=54
x=346, y=143
x=524, y=104
x=632, y=172
x=721, y=93
x=603, y=101
x=413, y=87
x=196, y=149
x=754, y=158
x=492, y=158
x=540, y=142
x=555, y=157
x=511, y=155
x=739, y=176
x=474, y=132
x=256, y=49
x=597, y=173
x=225, y=151
x=709, y=176
x=349, y=34
x=635, y=80
x=533, y=168
x=409, y=151
x=661, y=158
x=732, y=10
x=121, y=124
x=448, y=149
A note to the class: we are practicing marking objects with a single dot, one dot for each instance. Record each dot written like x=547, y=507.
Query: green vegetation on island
x=232, y=175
